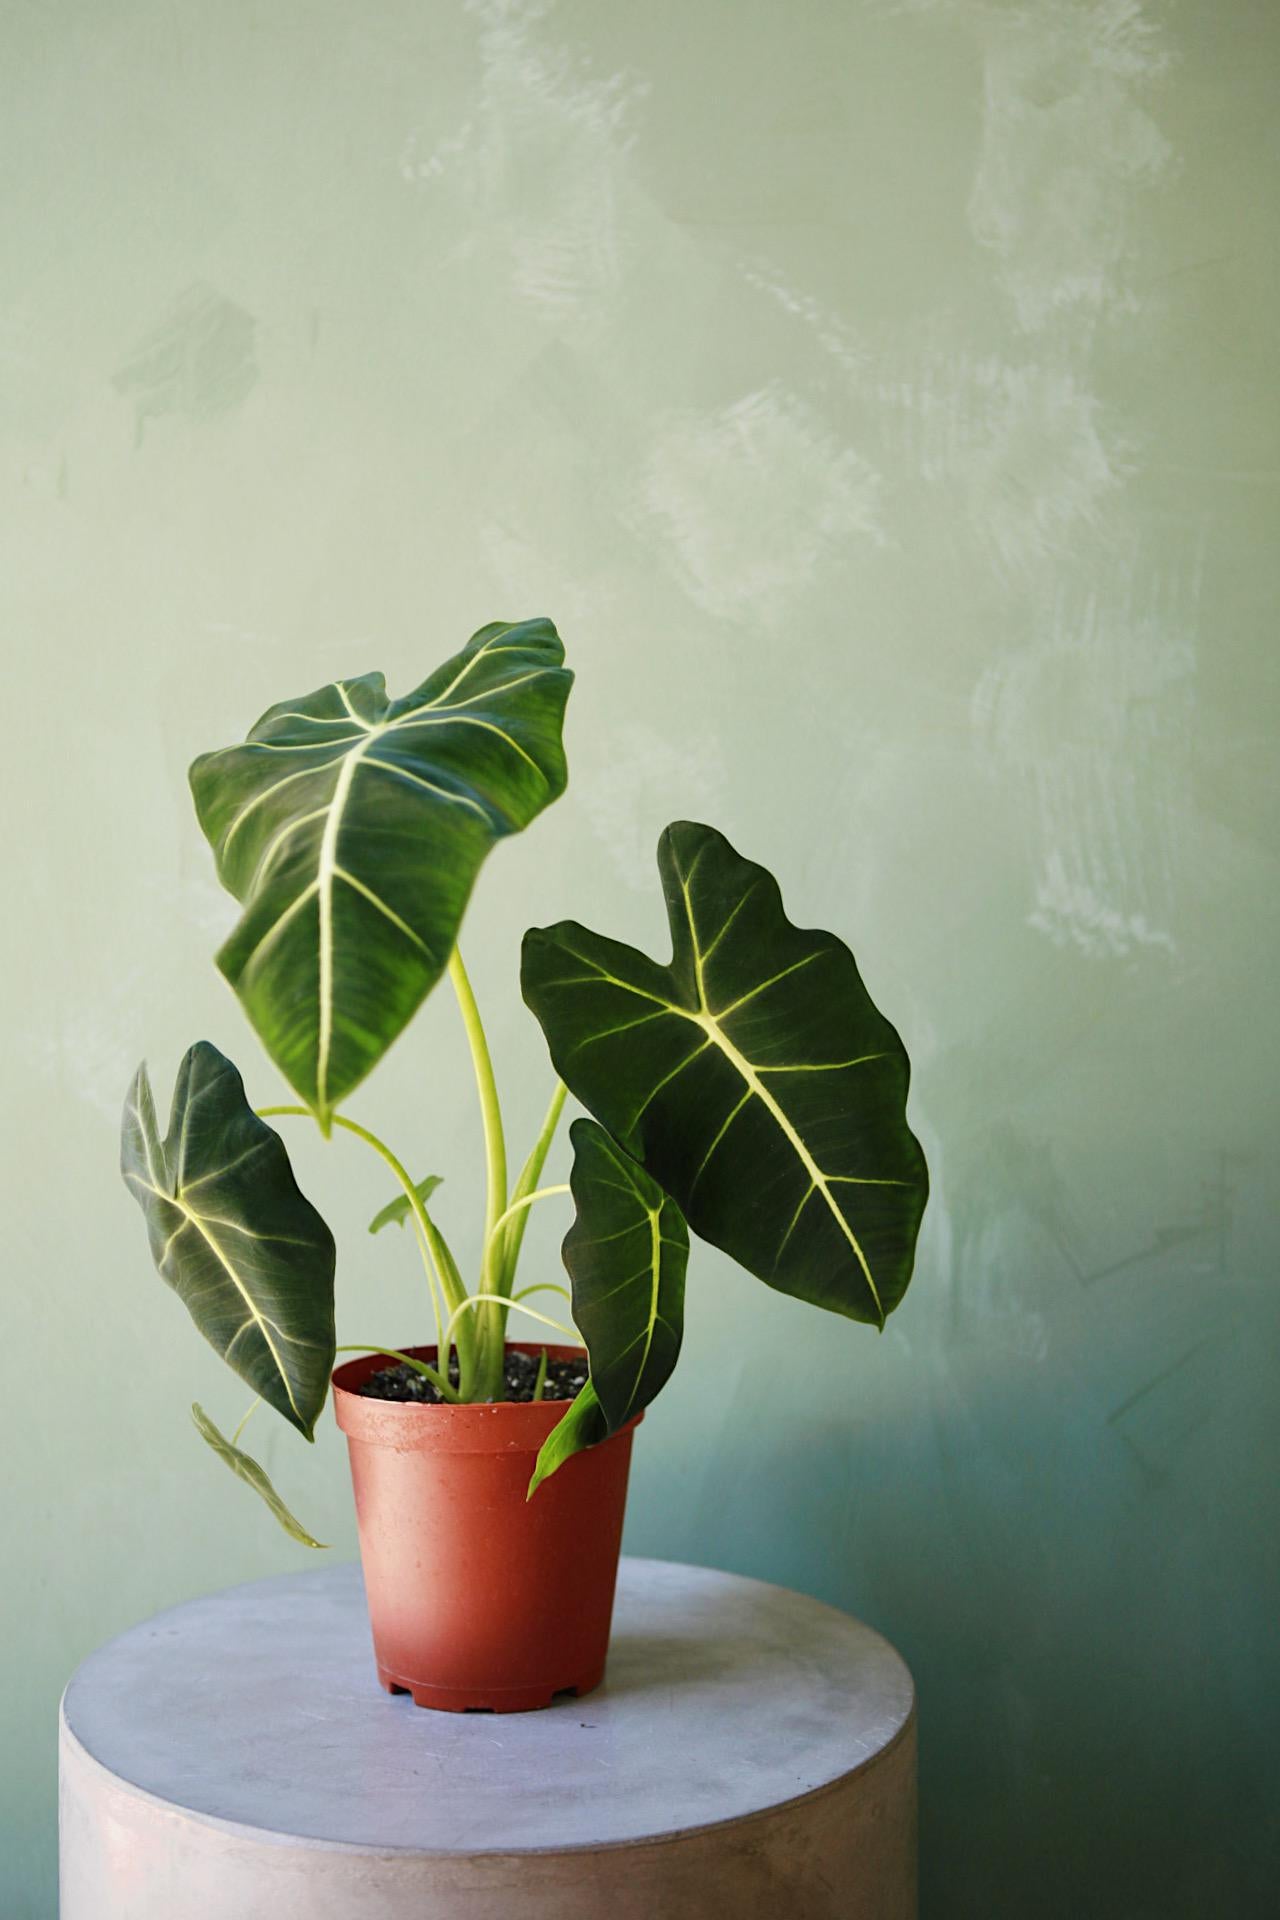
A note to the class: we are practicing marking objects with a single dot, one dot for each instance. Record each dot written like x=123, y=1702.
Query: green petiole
x=441, y=1385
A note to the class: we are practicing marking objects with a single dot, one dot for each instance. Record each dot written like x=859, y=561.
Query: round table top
x=259, y=1708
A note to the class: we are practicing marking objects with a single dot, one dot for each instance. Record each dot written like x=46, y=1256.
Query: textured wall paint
x=882, y=398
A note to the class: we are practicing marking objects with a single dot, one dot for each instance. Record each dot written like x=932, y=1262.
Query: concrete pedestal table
x=751, y=1756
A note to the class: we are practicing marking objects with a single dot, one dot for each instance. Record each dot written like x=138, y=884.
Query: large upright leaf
x=247, y=1254
x=753, y=1077
x=351, y=828
x=626, y=1253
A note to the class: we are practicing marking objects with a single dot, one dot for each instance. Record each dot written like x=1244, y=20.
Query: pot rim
x=486, y=1426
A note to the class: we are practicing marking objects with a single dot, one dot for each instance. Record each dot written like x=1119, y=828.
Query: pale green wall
x=881, y=398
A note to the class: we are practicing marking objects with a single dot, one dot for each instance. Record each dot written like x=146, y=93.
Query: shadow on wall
x=997, y=1528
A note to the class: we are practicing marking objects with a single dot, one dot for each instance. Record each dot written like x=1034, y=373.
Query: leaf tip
x=543, y=1468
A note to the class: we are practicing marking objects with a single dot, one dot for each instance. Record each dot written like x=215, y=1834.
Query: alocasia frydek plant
x=748, y=1089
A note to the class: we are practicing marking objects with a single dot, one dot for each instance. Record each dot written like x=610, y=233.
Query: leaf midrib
x=708, y=1021
x=326, y=865
x=190, y=1215
x=710, y=1025
x=352, y=750
x=654, y=1217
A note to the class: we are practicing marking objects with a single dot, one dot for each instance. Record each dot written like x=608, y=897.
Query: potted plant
x=749, y=1089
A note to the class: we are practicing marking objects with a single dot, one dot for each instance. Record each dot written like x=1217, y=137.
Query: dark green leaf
x=753, y=1077
x=582, y=1425
x=247, y=1254
x=351, y=828
x=246, y=1468
x=397, y=1211
x=626, y=1253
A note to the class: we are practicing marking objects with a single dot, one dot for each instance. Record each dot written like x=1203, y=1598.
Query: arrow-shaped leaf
x=247, y=1254
x=351, y=827
x=753, y=1077
x=626, y=1253
x=246, y=1468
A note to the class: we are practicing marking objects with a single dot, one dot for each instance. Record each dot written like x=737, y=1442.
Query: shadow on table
x=643, y=1662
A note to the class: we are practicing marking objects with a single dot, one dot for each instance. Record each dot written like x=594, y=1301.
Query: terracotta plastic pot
x=479, y=1598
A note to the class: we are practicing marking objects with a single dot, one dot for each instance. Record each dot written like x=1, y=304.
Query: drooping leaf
x=246, y=1468
x=753, y=1077
x=245, y=1251
x=351, y=827
x=397, y=1211
x=581, y=1425
x=626, y=1254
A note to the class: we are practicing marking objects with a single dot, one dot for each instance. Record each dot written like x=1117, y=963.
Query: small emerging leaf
x=582, y=1425
x=246, y=1468
x=397, y=1211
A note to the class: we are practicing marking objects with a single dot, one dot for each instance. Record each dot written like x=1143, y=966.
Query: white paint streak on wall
x=1066, y=142
x=1024, y=447
x=1087, y=712
x=538, y=163
x=1089, y=709
x=530, y=575
x=752, y=499
x=831, y=331
x=648, y=779
x=751, y=504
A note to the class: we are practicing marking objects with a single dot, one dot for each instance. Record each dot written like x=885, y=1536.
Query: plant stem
x=442, y=1386
x=541, y=1380
x=527, y=1200
x=542, y=1286
x=434, y=1287
x=492, y=1326
x=450, y=1280
x=253, y=1407
x=479, y=1300
x=529, y=1176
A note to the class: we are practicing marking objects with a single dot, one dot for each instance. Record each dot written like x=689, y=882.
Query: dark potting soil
x=565, y=1380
